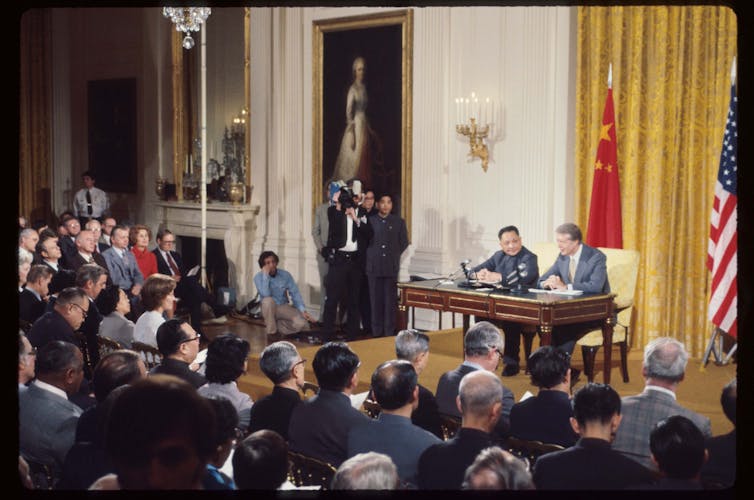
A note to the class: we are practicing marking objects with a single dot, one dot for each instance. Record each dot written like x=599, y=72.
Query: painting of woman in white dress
x=360, y=146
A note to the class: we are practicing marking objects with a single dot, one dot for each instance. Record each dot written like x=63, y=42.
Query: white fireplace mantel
x=234, y=224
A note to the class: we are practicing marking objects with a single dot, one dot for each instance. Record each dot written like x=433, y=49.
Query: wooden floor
x=700, y=391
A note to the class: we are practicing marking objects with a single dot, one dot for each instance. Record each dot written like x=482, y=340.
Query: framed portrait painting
x=362, y=105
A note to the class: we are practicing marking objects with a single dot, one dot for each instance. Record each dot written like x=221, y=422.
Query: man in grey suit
x=578, y=267
x=124, y=271
x=395, y=387
x=47, y=419
x=664, y=367
x=483, y=349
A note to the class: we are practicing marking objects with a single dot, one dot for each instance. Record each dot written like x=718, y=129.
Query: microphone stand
x=521, y=273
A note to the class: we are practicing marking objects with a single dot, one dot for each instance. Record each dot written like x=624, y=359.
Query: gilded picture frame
x=362, y=84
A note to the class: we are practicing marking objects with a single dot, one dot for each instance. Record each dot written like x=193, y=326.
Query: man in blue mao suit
x=578, y=267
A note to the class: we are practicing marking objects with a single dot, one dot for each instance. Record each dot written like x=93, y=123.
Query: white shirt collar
x=51, y=388
x=659, y=389
x=34, y=292
x=53, y=265
x=577, y=255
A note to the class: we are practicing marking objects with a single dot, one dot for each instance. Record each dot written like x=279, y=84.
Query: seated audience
x=546, y=416
x=366, y=471
x=24, y=265
x=27, y=356
x=49, y=251
x=677, y=447
x=284, y=366
x=227, y=358
x=226, y=424
x=121, y=263
x=260, y=462
x=95, y=227
x=394, y=384
x=85, y=253
x=46, y=418
x=311, y=431
x=27, y=244
x=67, y=241
x=497, y=469
x=157, y=297
x=33, y=298
x=720, y=470
x=139, y=237
x=413, y=346
x=67, y=315
x=156, y=437
x=108, y=223
x=663, y=369
x=113, y=304
x=480, y=401
x=179, y=344
x=483, y=350
x=591, y=464
x=92, y=279
x=275, y=286
x=86, y=461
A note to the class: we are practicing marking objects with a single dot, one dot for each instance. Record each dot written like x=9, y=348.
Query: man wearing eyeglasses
x=27, y=356
x=67, y=315
x=483, y=350
x=178, y=343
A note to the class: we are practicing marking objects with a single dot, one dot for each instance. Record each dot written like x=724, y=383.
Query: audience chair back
x=310, y=387
x=529, y=451
x=107, y=345
x=449, y=424
x=42, y=475
x=82, y=344
x=371, y=408
x=309, y=471
x=150, y=354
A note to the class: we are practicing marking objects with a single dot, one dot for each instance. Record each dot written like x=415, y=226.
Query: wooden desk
x=544, y=310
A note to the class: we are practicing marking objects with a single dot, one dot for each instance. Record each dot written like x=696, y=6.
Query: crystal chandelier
x=187, y=19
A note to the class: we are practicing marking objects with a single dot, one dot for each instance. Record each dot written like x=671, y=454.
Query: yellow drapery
x=671, y=85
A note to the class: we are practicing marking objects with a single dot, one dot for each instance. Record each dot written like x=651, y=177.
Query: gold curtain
x=671, y=85
x=34, y=161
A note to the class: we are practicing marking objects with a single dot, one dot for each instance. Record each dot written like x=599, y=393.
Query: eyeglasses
x=32, y=352
x=168, y=242
x=83, y=312
x=198, y=336
x=303, y=360
x=497, y=350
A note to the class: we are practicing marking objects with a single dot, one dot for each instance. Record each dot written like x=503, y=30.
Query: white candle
x=487, y=111
x=458, y=110
x=466, y=111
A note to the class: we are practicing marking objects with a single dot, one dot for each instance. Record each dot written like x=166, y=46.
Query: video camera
x=346, y=199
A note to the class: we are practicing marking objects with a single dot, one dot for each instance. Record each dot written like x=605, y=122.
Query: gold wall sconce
x=478, y=127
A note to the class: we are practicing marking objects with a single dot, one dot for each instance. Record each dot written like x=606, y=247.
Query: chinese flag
x=604, y=228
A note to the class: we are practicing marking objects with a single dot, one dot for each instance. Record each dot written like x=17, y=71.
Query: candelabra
x=478, y=127
x=187, y=19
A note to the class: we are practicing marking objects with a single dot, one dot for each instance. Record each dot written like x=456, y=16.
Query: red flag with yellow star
x=604, y=229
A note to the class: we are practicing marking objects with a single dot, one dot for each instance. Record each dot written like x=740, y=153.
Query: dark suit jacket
x=319, y=426
x=30, y=308
x=507, y=266
x=274, y=411
x=67, y=246
x=426, y=415
x=389, y=240
x=75, y=260
x=180, y=369
x=591, y=271
x=447, y=390
x=50, y=326
x=163, y=267
x=443, y=465
x=589, y=465
x=544, y=417
x=720, y=469
x=337, y=231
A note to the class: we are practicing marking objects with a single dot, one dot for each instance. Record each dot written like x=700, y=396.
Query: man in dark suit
x=349, y=233
x=68, y=242
x=394, y=384
x=92, y=279
x=67, y=315
x=47, y=419
x=546, y=416
x=319, y=426
x=678, y=450
x=720, y=470
x=483, y=350
x=578, y=267
x=480, y=402
x=591, y=464
x=86, y=244
x=664, y=367
x=32, y=300
x=512, y=265
x=389, y=240
x=188, y=288
x=179, y=344
x=284, y=366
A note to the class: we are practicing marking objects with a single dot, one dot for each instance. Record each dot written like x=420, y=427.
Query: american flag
x=723, y=240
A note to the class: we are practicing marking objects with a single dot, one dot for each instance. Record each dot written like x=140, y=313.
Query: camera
x=346, y=199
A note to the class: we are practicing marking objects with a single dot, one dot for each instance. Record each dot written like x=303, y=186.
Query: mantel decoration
x=187, y=19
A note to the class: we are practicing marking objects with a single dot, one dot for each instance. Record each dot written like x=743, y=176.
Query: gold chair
x=449, y=424
x=310, y=387
x=371, y=408
x=309, y=471
x=622, y=271
x=150, y=354
x=529, y=451
x=82, y=345
x=106, y=345
x=42, y=475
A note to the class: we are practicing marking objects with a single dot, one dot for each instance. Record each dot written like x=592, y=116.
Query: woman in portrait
x=354, y=159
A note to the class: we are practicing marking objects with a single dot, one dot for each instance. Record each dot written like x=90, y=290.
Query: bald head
x=479, y=391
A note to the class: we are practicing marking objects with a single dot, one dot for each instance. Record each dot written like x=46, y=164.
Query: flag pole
x=733, y=72
x=610, y=76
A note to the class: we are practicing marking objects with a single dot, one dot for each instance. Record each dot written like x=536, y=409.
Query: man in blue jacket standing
x=389, y=240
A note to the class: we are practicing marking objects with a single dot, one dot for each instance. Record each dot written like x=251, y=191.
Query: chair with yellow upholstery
x=622, y=271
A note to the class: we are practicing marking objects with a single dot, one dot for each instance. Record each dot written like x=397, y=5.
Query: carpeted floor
x=700, y=391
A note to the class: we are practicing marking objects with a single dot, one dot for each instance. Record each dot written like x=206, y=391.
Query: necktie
x=89, y=202
x=172, y=264
x=91, y=259
x=571, y=269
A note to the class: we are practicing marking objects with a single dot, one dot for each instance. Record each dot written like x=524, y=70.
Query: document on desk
x=569, y=293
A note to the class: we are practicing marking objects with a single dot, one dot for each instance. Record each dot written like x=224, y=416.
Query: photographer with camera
x=348, y=237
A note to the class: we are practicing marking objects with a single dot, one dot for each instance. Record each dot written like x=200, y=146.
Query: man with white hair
x=664, y=367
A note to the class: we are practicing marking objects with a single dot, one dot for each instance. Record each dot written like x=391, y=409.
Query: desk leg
x=464, y=330
x=545, y=335
x=402, y=317
x=607, y=346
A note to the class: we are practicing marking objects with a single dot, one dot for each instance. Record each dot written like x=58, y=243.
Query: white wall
x=519, y=56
